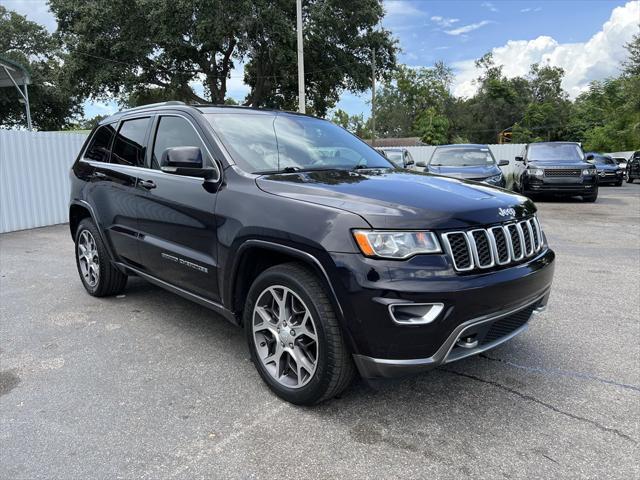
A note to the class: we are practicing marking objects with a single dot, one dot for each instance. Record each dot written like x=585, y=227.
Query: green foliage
x=53, y=103
x=356, y=124
x=148, y=50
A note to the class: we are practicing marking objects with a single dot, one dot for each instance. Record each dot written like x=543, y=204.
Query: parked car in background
x=556, y=168
x=633, y=168
x=609, y=172
x=467, y=162
x=400, y=157
x=621, y=158
x=328, y=256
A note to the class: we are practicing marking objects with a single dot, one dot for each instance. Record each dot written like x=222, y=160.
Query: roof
x=396, y=142
x=177, y=105
x=463, y=145
x=19, y=73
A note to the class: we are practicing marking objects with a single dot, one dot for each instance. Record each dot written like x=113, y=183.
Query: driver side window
x=176, y=132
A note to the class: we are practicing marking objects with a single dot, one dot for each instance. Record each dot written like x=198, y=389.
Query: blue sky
x=584, y=37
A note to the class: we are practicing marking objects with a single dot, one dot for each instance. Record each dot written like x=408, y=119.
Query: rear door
x=112, y=159
x=176, y=213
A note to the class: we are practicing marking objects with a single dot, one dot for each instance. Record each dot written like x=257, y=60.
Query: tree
x=53, y=103
x=356, y=124
x=413, y=93
x=139, y=50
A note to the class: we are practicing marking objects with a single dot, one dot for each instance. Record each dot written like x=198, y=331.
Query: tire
x=590, y=198
x=301, y=380
x=627, y=177
x=108, y=280
x=619, y=184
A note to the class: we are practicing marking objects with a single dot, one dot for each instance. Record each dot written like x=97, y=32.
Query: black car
x=632, y=170
x=331, y=259
x=609, y=172
x=556, y=168
x=467, y=161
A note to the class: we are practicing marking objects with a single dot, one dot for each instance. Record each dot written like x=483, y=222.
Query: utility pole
x=301, y=99
x=373, y=97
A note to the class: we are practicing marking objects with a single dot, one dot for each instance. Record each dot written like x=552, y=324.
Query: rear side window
x=98, y=149
x=176, y=132
x=129, y=147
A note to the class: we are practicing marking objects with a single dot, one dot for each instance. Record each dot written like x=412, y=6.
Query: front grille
x=501, y=245
x=562, y=172
x=507, y=325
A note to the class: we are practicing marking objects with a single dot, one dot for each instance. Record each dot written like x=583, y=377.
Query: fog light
x=415, y=313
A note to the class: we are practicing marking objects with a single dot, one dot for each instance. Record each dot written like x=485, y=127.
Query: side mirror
x=503, y=163
x=421, y=164
x=185, y=161
x=519, y=159
x=590, y=157
x=409, y=162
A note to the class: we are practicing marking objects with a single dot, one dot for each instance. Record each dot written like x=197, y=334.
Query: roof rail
x=151, y=105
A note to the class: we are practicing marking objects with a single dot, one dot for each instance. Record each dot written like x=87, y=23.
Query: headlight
x=494, y=179
x=588, y=171
x=390, y=244
x=535, y=172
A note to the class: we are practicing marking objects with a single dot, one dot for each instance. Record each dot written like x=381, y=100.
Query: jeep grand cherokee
x=331, y=259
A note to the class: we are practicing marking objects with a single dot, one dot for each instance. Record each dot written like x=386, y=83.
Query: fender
x=93, y=216
x=301, y=254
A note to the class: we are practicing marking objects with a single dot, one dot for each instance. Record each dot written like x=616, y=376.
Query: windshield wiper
x=295, y=170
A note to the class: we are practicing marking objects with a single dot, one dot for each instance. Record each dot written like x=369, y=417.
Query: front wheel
x=591, y=197
x=99, y=276
x=627, y=177
x=294, y=337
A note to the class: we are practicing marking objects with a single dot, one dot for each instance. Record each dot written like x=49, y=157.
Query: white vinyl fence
x=34, y=177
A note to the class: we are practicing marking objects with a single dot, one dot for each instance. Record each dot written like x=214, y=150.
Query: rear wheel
x=294, y=338
x=99, y=276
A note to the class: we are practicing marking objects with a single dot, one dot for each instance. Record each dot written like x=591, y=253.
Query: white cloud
x=401, y=8
x=595, y=59
x=444, y=22
x=530, y=9
x=489, y=5
x=467, y=28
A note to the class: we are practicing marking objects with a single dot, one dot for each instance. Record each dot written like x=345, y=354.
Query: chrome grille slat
x=500, y=245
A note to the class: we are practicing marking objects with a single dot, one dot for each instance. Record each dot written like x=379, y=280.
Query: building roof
x=396, y=142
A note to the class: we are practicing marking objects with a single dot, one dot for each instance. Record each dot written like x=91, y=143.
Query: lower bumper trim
x=370, y=367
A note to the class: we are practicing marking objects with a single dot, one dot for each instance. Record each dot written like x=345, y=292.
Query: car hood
x=478, y=172
x=607, y=168
x=401, y=198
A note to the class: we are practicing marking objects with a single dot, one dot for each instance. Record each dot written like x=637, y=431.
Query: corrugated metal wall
x=34, y=177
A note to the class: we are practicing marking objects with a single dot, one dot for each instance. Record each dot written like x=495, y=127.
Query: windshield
x=462, y=157
x=274, y=142
x=569, y=152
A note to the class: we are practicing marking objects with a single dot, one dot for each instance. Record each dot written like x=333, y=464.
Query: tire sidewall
x=319, y=383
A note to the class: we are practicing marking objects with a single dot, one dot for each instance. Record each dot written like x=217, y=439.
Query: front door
x=176, y=214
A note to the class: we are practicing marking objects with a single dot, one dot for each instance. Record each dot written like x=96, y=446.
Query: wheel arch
x=78, y=211
x=254, y=256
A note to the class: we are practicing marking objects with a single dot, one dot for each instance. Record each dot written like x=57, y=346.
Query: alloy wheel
x=88, y=258
x=285, y=336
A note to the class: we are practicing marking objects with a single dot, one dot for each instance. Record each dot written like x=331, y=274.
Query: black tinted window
x=98, y=149
x=129, y=148
x=176, y=132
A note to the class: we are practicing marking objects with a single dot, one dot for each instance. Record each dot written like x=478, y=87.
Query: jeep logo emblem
x=505, y=212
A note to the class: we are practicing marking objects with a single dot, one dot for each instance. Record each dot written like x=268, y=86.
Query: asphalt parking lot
x=148, y=385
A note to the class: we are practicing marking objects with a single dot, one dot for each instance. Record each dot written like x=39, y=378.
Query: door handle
x=148, y=184
x=98, y=175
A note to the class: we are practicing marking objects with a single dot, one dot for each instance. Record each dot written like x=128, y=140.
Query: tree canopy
x=142, y=50
x=53, y=103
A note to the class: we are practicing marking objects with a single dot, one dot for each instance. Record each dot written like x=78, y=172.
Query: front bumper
x=366, y=288
x=469, y=338
x=560, y=186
